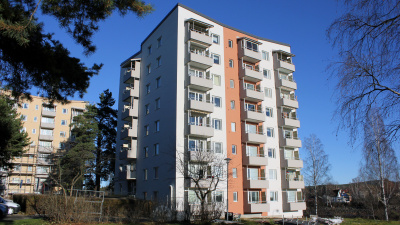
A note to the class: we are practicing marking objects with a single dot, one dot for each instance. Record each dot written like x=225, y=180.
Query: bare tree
x=316, y=165
x=367, y=69
x=204, y=172
x=379, y=166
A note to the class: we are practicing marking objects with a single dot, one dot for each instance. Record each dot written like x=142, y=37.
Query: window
x=230, y=43
x=149, y=50
x=146, y=130
x=17, y=168
x=272, y=174
x=252, y=174
x=217, y=124
x=25, y=105
x=232, y=83
x=64, y=111
x=158, y=82
x=157, y=149
x=268, y=92
x=146, y=152
x=270, y=132
x=62, y=134
x=33, y=131
x=233, y=127
x=149, y=69
x=24, y=117
x=36, y=107
x=49, y=120
x=64, y=122
x=49, y=108
x=61, y=145
x=218, y=196
x=35, y=119
x=231, y=63
x=271, y=153
x=145, y=174
x=216, y=58
x=217, y=101
x=253, y=197
x=159, y=61
x=252, y=46
x=29, y=168
x=217, y=80
x=159, y=42
x=192, y=197
x=234, y=149
x=267, y=73
x=235, y=196
x=46, y=132
x=273, y=196
x=232, y=104
x=234, y=172
x=265, y=55
x=218, y=147
x=269, y=112
x=147, y=109
x=158, y=103
x=157, y=125
x=28, y=181
x=155, y=195
x=155, y=172
x=147, y=88
x=215, y=38
x=145, y=194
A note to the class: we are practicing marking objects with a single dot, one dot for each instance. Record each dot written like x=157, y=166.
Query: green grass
x=359, y=221
x=25, y=222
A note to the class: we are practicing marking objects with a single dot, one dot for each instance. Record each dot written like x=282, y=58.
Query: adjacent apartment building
x=48, y=128
x=199, y=85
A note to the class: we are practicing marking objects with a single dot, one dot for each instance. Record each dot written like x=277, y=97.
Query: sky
x=302, y=24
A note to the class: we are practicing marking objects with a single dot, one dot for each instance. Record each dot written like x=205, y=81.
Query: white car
x=12, y=206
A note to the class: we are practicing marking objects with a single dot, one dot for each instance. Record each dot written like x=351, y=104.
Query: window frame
x=234, y=149
x=230, y=43
x=217, y=38
x=271, y=131
x=231, y=63
x=216, y=58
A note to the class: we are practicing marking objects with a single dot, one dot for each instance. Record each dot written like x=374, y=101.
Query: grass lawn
x=358, y=221
x=24, y=222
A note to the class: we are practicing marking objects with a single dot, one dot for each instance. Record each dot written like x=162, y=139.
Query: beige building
x=48, y=127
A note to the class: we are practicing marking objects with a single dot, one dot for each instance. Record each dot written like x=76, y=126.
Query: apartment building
x=198, y=85
x=48, y=129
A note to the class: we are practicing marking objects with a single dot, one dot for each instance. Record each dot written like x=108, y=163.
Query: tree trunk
x=382, y=182
x=98, y=164
x=316, y=200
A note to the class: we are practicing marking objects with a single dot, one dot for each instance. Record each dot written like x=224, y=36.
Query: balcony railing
x=256, y=178
x=256, y=155
x=202, y=53
x=199, y=29
x=290, y=97
x=200, y=124
x=289, y=116
x=290, y=177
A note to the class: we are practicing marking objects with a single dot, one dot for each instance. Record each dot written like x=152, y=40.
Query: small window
x=33, y=131
x=158, y=82
x=145, y=175
x=269, y=112
x=273, y=196
x=158, y=103
x=234, y=151
x=267, y=73
x=29, y=168
x=232, y=83
x=64, y=122
x=146, y=152
x=146, y=130
x=217, y=80
x=149, y=49
x=159, y=61
x=23, y=129
x=231, y=63
x=157, y=125
x=215, y=38
x=62, y=134
x=64, y=111
x=216, y=58
x=25, y=105
x=233, y=127
x=149, y=69
x=218, y=147
x=232, y=104
x=24, y=117
x=271, y=153
x=159, y=42
x=265, y=55
x=155, y=172
x=147, y=88
x=217, y=123
x=157, y=149
x=230, y=43
x=147, y=109
x=217, y=101
x=235, y=196
x=268, y=92
x=270, y=132
x=234, y=172
x=35, y=119
x=61, y=145
x=36, y=107
x=272, y=174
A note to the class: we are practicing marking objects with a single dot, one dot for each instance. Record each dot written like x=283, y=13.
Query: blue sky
x=302, y=24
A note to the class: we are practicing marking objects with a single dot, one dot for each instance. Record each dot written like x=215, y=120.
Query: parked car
x=12, y=206
x=3, y=210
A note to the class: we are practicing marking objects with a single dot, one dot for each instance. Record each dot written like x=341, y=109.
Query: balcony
x=256, y=116
x=43, y=161
x=128, y=94
x=286, y=83
x=252, y=95
x=288, y=121
x=283, y=61
x=286, y=66
x=127, y=134
x=296, y=202
x=260, y=183
x=256, y=207
x=131, y=175
x=200, y=83
x=44, y=149
x=289, y=102
x=48, y=113
x=200, y=37
x=47, y=125
x=293, y=182
x=248, y=54
x=202, y=61
x=259, y=160
x=250, y=74
x=46, y=137
x=130, y=152
x=130, y=111
x=289, y=141
x=201, y=155
x=292, y=162
x=253, y=137
x=130, y=75
x=201, y=131
x=203, y=106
